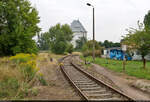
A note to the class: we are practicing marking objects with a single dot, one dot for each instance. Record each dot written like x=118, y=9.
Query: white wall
x=76, y=37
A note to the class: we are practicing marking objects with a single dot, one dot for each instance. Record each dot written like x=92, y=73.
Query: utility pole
x=93, y=31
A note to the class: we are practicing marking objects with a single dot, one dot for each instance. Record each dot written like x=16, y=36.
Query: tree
x=87, y=48
x=138, y=39
x=43, y=41
x=80, y=42
x=60, y=36
x=108, y=44
x=147, y=21
x=18, y=25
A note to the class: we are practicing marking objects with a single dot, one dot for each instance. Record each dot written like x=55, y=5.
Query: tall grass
x=16, y=72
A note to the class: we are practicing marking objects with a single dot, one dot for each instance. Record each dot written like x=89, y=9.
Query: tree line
x=57, y=39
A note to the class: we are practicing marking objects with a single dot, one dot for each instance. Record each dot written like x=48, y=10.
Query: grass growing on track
x=133, y=68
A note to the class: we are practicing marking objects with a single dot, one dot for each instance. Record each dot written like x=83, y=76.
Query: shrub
x=66, y=53
x=41, y=79
x=87, y=49
x=90, y=53
x=59, y=47
x=29, y=70
x=8, y=87
x=27, y=65
x=69, y=48
x=22, y=58
x=34, y=91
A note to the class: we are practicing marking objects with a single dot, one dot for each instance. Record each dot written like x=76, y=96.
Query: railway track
x=88, y=86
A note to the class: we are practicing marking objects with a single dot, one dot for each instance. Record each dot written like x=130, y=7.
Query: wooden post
x=124, y=63
x=124, y=48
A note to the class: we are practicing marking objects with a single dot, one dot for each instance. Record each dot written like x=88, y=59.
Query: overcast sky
x=112, y=17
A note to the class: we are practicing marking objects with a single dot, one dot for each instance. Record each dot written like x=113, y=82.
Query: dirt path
x=58, y=87
x=120, y=81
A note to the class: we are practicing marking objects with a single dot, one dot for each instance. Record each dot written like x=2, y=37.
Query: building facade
x=117, y=53
x=78, y=31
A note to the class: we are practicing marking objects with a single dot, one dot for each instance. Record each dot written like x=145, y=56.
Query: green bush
x=8, y=87
x=41, y=79
x=59, y=47
x=90, y=53
x=69, y=48
x=87, y=49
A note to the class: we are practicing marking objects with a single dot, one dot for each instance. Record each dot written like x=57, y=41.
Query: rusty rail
x=72, y=83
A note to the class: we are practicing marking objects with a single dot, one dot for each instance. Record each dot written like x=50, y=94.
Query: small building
x=78, y=31
x=115, y=53
x=136, y=56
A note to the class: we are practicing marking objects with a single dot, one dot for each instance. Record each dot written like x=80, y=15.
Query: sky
x=112, y=17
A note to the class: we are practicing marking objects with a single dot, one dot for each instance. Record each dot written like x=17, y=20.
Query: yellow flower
x=36, y=69
x=61, y=64
x=41, y=74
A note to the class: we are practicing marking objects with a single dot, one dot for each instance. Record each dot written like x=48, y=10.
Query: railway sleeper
x=116, y=95
x=67, y=65
x=80, y=79
x=104, y=99
x=85, y=84
x=91, y=88
x=88, y=86
x=83, y=81
x=102, y=91
x=101, y=96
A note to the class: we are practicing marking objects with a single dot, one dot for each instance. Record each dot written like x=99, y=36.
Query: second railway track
x=88, y=86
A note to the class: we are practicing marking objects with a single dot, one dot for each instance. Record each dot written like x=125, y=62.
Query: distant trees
x=80, y=42
x=88, y=48
x=57, y=39
x=44, y=41
x=18, y=25
x=108, y=44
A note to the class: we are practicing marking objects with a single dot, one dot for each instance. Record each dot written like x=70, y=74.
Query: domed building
x=78, y=31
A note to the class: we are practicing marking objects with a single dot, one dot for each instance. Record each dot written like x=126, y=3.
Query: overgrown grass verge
x=16, y=76
x=133, y=68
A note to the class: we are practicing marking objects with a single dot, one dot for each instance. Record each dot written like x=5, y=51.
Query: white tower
x=78, y=31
